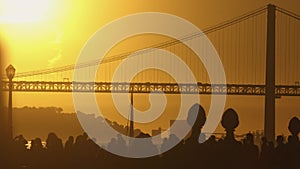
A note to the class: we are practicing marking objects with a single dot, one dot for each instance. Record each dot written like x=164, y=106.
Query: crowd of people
x=226, y=153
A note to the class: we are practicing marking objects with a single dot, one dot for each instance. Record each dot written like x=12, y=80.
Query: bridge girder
x=168, y=88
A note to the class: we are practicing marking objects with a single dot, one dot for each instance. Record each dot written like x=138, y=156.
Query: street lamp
x=10, y=73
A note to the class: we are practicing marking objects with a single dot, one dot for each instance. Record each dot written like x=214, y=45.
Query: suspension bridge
x=259, y=51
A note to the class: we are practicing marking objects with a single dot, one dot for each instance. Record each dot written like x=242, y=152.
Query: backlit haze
x=50, y=33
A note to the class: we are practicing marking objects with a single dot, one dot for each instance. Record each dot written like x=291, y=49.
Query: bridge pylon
x=269, y=128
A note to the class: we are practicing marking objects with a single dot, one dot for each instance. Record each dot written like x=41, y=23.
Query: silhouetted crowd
x=225, y=153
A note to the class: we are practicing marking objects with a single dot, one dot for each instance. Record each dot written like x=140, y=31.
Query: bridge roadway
x=168, y=88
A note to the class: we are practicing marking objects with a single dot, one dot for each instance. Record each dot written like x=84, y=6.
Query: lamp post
x=10, y=73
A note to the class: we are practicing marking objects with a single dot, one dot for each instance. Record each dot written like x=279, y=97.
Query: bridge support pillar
x=131, y=127
x=269, y=125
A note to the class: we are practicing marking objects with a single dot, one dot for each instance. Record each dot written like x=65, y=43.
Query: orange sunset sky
x=50, y=33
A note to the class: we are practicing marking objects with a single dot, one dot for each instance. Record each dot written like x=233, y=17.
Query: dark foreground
x=227, y=153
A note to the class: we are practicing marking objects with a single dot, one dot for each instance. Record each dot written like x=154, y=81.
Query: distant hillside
x=34, y=122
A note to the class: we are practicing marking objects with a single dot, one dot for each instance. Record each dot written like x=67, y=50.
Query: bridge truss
x=168, y=88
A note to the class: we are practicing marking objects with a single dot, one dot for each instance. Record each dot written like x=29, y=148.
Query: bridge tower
x=269, y=125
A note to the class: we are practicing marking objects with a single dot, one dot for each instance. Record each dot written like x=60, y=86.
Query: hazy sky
x=56, y=38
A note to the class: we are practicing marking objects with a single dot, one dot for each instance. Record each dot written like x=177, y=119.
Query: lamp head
x=10, y=72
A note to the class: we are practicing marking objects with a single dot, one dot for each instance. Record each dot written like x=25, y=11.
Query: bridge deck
x=168, y=88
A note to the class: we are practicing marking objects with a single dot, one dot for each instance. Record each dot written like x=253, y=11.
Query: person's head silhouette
x=230, y=121
x=279, y=140
x=196, y=118
x=249, y=138
x=294, y=126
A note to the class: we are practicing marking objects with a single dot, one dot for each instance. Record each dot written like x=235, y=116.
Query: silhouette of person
x=250, y=152
x=69, y=144
x=112, y=145
x=54, y=149
x=149, y=147
x=53, y=143
x=293, y=146
x=19, y=144
x=168, y=142
x=121, y=144
x=189, y=154
x=196, y=112
x=165, y=145
x=280, y=152
x=192, y=148
x=140, y=144
x=36, y=145
x=37, y=153
x=19, y=150
x=69, y=150
x=230, y=150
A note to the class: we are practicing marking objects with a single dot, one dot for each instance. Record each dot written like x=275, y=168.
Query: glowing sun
x=23, y=11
